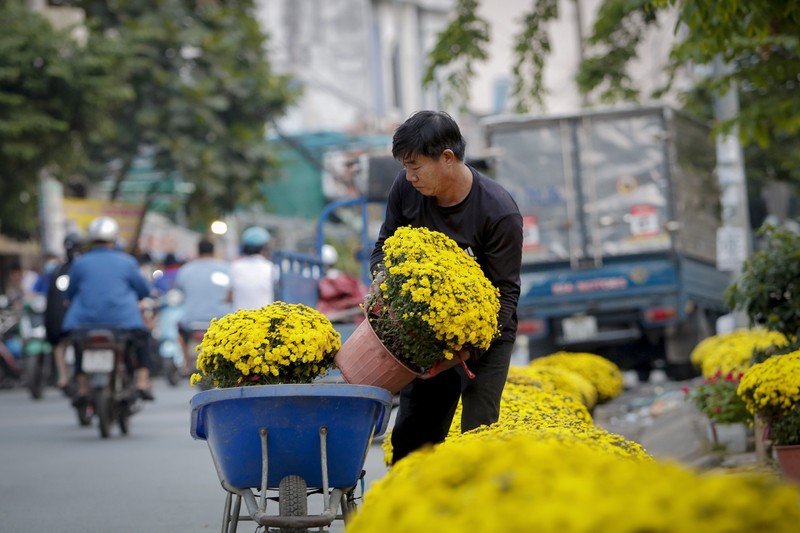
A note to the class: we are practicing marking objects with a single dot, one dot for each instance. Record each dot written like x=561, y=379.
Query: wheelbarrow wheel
x=293, y=500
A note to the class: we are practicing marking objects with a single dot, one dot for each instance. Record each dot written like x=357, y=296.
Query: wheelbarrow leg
x=226, y=512
x=230, y=517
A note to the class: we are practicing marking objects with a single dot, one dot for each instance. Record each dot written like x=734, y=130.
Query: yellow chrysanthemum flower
x=278, y=343
x=728, y=353
x=434, y=301
x=602, y=373
x=531, y=482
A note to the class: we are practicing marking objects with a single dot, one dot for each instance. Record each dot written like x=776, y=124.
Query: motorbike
x=39, y=362
x=10, y=345
x=106, y=362
x=165, y=331
x=197, y=331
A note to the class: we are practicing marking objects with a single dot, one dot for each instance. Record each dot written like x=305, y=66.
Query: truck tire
x=293, y=500
x=541, y=347
x=679, y=342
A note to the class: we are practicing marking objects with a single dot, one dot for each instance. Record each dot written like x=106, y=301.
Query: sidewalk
x=656, y=416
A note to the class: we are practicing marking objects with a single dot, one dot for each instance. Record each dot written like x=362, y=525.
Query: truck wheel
x=541, y=347
x=293, y=500
x=681, y=371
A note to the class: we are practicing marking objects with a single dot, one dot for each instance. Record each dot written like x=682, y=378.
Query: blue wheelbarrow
x=297, y=440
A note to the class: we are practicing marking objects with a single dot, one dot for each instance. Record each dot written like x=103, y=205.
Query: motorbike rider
x=105, y=288
x=56, y=306
x=204, y=282
x=253, y=275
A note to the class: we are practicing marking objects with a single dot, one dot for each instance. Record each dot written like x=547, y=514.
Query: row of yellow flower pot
x=545, y=467
x=753, y=376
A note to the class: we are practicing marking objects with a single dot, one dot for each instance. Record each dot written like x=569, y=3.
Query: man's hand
x=375, y=287
x=446, y=364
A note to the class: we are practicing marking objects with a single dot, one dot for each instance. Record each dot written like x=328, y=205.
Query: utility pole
x=734, y=242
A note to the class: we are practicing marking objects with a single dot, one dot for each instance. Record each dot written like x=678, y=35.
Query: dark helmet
x=73, y=242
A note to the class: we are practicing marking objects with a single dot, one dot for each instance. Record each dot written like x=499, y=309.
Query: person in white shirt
x=253, y=275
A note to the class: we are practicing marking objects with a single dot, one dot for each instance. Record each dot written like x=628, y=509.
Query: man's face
x=425, y=174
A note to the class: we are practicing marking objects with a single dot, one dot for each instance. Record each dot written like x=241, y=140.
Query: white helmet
x=329, y=255
x=103, y=229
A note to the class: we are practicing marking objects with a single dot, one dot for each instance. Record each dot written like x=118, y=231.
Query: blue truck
x=620, y=211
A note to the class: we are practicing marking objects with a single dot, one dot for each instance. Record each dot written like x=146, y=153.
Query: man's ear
x=448, y=156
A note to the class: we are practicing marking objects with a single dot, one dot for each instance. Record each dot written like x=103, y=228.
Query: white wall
x=361, y=61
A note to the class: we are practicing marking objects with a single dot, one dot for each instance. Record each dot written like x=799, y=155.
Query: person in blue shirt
x=105, y=287
x=204, y=282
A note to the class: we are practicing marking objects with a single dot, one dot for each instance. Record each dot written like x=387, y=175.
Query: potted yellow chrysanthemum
x=432, y=301
x=771, y=389
x=277, y=344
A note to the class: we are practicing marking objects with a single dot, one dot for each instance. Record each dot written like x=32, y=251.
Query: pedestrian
x=51, y=263
x=56, y=307
x=253, y=275
x=204, y=283
x=439, y=191
x=105, y=287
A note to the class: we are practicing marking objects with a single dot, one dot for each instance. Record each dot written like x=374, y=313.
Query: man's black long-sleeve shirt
x=487, y=224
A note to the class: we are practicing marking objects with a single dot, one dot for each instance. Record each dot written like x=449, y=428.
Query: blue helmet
x=255, y=236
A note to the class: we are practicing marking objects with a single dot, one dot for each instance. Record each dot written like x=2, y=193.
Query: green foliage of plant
x=618, y=30
x=186, y=84
x=762, y=354
x=717, y=399
x=531, y=46
x=785, y=430
x=54, y=95
x=760, y=40
x=459, y=46
x=768, y=290
x=205, y=93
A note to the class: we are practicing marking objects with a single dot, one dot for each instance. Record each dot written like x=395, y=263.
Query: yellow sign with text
x=79, y=212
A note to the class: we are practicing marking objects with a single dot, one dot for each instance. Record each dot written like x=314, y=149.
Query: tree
x=758, y=38
x=53, y=94
x=204, y=92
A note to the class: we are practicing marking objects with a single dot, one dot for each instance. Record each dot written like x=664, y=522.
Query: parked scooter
x=105, y=359
x=39, y=363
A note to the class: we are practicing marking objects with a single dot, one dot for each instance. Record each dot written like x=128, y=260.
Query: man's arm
x=503, y=261
x=391, y=221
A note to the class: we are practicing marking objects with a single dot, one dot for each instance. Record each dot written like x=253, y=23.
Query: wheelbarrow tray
x=230, y=420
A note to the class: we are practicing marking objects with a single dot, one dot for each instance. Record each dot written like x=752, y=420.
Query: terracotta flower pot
x=789, y=461
x=364, y=360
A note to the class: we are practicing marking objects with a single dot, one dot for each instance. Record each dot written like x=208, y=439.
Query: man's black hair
x=428, y=133
x=252, y=249
x=205, y=247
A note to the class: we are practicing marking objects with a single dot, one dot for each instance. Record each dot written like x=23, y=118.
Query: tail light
x=660, y=314
x=531, y=326
x=198, y=335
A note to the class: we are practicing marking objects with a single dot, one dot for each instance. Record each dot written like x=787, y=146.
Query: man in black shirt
x=437, y=190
